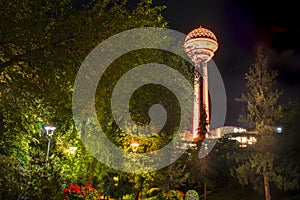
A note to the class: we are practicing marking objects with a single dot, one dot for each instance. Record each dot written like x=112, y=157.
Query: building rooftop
x=201, y=33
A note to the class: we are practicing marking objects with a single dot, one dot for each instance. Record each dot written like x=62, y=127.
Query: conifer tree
x=263, y=111
x=261, y=115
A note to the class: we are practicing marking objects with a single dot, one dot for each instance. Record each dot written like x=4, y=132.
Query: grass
x=236, y=194
x=241, y=194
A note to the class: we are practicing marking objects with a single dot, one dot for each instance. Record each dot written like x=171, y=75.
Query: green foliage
x=12, y=177
x=262, y=164
x=173, y=176
x=289, y=146
x=253, y=170
x=37, y=179
x=45, y=180
x=213, y=171
x=116, y=184
x=42, y=46
x=263, y=111
x=289, y=175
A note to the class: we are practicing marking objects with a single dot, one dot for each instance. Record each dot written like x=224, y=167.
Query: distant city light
x=279, y=129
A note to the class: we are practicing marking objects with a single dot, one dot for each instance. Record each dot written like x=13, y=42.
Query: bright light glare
x=279, y=129
x=134, y=146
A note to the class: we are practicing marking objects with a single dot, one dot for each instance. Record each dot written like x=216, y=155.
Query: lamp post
x=49, y=131
x=134, y=147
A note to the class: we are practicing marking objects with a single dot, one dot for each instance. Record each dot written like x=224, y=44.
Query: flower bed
x=74, y=192
x=173, y=195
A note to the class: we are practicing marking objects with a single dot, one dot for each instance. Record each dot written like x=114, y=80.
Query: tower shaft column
x=205, y=93
x=196, y=113
x=200, y=91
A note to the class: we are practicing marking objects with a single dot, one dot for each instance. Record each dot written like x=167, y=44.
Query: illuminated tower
x=200, y=45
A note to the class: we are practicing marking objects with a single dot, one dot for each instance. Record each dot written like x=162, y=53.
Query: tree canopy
x=43, y=44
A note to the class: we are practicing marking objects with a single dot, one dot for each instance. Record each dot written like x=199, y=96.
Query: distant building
x=239, y=134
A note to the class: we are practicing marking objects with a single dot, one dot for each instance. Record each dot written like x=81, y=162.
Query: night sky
x=240, y=26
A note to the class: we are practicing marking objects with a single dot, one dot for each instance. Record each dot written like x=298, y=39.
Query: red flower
x=80, y=191
x=67, y=191
x=90, y=187
x=169, y=192
x=74, y=188
x=181, y=194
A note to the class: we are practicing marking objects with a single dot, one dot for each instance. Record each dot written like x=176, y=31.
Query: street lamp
x=134, y=147
x=49, y=132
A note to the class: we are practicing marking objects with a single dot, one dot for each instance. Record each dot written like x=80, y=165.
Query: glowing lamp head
x=50, y=130
x=200, y=45
x=134, y=146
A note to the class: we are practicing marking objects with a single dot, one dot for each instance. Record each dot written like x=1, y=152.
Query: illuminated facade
x=241, y=135
x=200, y=45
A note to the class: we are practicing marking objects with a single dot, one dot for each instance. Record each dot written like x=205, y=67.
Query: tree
x=288, y=147
x=290, y=127
x=42, y=46
x=173, y=176
x=262, y=114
